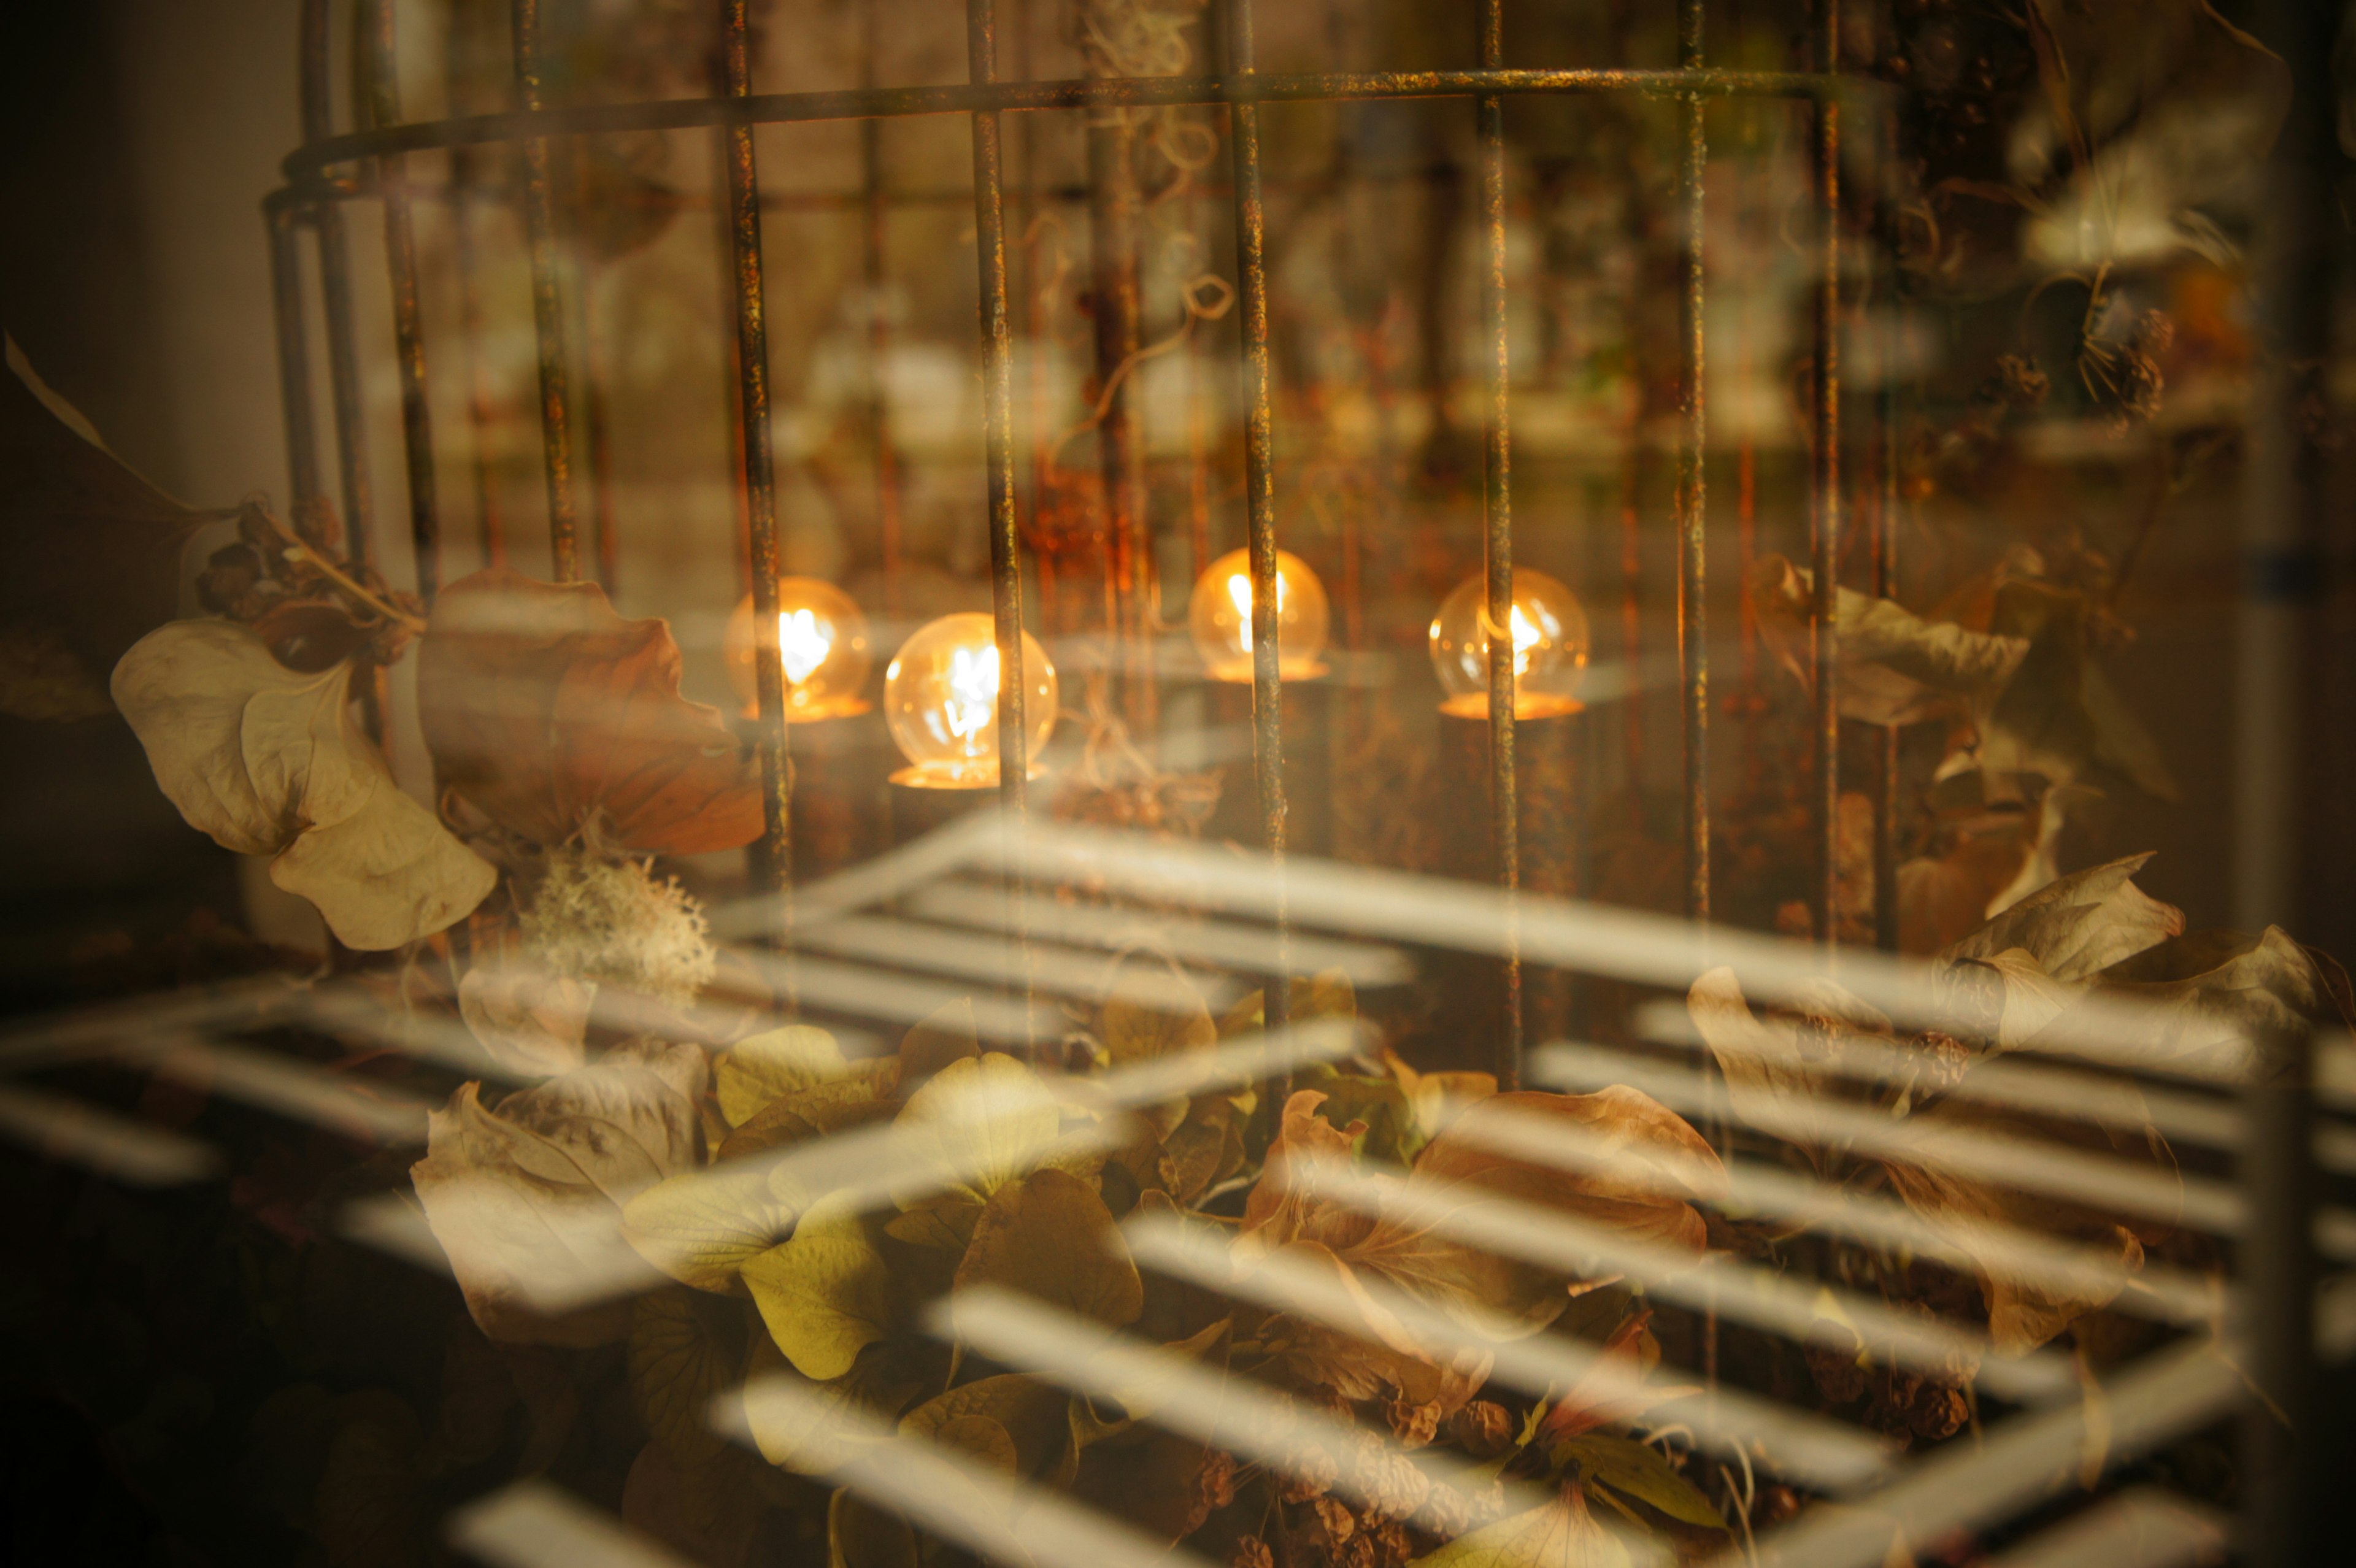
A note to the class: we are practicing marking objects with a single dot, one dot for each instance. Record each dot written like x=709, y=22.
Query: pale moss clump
x=611, y=922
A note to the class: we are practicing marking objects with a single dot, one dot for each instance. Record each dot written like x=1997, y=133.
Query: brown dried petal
x=545, y=710
x=1484, y=1428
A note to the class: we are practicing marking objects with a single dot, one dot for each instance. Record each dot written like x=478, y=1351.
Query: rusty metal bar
x=408, y=326
x=774, y=867
x=1116, y=311
x=596, y=435
x=997, y=441
x=1825, y=498
x=690, y=114
x=491, y=523
x=1260, y=484
x=335, y=295
x=1885, y=558
x=1497, y=554
x=294, y=359
x=547, y=296
x=1693, y=542
x=875, y=213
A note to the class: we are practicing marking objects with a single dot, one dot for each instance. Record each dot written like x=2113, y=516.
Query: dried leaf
x=93, y=553
x=1895, y=666
x=1783, y=1074
x=1562, y=1534
x=946, y=1035
x=527, y=1200
x=545, y=710
x=974, y=1126
x=805, y=1436
x=271, y=761
x=2026, y=1309
x=1651, y=1156
x=1032, y=1413
x=685, y=1349
x=1638, y=1471
x=528, y=1018
x=761, y=1068
x=866, y=1092
x=827, y=1293
x=701, y=1227
x=1050, y=1236
x=860, y=1535
x=708, y=1510
x=2211, y=994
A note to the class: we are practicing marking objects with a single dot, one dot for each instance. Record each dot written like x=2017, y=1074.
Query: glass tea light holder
x=821, y=643
x=940, y=699
x=1219, y=618
x=1550, y=644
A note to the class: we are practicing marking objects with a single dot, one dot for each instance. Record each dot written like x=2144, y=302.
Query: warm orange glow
x=1551, y=643
x=822, y=651
x=1219, y=618
x=940, y=698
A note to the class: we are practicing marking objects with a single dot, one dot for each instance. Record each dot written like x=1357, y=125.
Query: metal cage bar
x=772, y=868
x=1497, y=539
x=335, y=299
x=408, y=327
x=1824, y=480
x=1260, y=473
x=998, y=437
x=547, y=303
x=1693, y=533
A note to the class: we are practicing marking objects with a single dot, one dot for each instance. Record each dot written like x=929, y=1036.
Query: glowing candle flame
x=803, y=644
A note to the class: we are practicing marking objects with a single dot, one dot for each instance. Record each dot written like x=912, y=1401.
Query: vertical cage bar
x=491, y=521
x=876, y=213
x=774, y=867
x=1824, y=479
x=293, y=361
x=1259, y=492
x=1891, y=345
x=595, y=433
x=1497, y=554
x=547, y=303
x=408, y=326
x=2280, y=1435
x=1693, y=543
x=998, y=442
x=335, y=295
x=1115, y=304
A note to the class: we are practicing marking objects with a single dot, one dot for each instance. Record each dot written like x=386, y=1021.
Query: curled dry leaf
x=1895, y=666
x=269, y=760
x=527, y=1199
x=545, y=710
x=1562, y=1534
x=1650, y=1169
x=528, y=1019
x=2026, y=681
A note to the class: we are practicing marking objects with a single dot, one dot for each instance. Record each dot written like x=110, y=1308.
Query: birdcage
x=1511, y=917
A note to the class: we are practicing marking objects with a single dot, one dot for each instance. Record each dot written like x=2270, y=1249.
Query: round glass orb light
x=940, y=698
x=1550, y=644
x=821, y=643
x=1219, y=617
